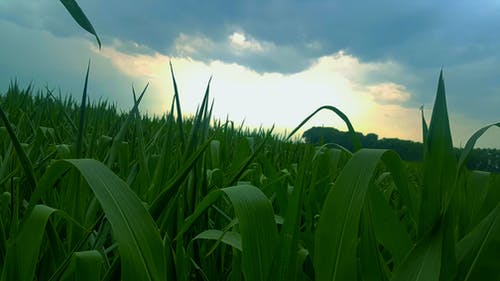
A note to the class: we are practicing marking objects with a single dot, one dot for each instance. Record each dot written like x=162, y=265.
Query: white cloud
x=338, y=79
x=240, y=42
x=187, y=45
x=389, y=92
x=274, y=98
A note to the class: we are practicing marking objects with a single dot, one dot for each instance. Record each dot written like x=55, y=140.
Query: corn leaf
x=139, y=242
x=336, y=237
x=84, y=266
x=23, y=250
x=79, y=16
x=230, y=238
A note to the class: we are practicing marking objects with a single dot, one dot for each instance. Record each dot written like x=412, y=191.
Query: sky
x=272, y=62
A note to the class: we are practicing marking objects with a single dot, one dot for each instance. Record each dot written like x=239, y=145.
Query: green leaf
x=439, y=164
x=471, y=142
x=371, y=265
x=355, y=140
x=477, y=252
x=424, y=261
x=79, y=16
x=83, y=106
x=390, y=232
x=336, y=238
x=230, y=238
x=425, y=129
x=23, y=250
x=257, y=227
x=25, y=161
x=139, y=241
x=84, y=266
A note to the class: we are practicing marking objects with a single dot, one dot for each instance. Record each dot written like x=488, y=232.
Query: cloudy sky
x=273, y=62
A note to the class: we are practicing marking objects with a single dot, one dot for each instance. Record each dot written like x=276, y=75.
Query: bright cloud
x=283, y=100
x=389, y=92
x=372, y=94
x=239, y=41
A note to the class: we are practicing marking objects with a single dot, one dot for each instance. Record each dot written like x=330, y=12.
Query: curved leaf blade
x=257, y=226
x=79, y=16
x=139, y=241
x=23, y=250
x=336, y=237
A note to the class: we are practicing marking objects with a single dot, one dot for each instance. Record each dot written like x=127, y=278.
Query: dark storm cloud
x=418, y=33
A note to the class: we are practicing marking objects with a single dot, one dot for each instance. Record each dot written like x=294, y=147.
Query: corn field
x=91, y=193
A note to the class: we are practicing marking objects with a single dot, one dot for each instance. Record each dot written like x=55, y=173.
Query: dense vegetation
x=89, y=193
x=484, y=159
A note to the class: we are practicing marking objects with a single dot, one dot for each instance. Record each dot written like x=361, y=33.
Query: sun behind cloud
x=280, y=99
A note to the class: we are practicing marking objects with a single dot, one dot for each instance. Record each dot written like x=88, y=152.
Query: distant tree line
x=480, y=159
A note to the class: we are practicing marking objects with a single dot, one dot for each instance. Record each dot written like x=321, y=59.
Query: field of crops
x=90, y=193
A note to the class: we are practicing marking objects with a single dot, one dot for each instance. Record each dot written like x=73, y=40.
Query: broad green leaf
x=390, y=232
x=230, y=238
x=84, y=266
x=371, y=264
x=478, y=185
x=336, y=238
x=439, y=164
x=23, y=250
x=492, y=198
x=79, y=16
x=477, y=252
x=257, y=228
x=424, y=261
x=139, y=242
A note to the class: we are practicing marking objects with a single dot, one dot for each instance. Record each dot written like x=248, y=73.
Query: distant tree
x=479, y=159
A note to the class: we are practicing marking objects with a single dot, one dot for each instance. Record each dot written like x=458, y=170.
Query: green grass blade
x=157, y=206
x=118, y=138
x=79, y=16
x=144, y=171
x=425, y=129
x=178, y=107
x=81, y=125
x=25, y=161
x=236, y=175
